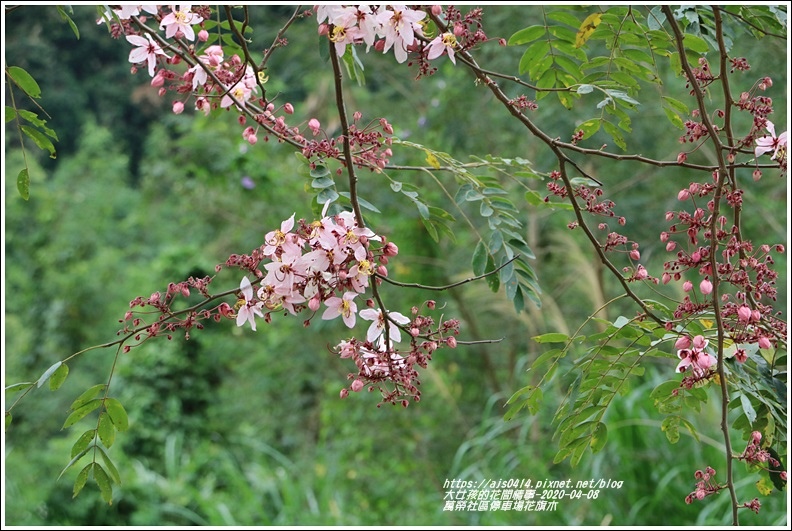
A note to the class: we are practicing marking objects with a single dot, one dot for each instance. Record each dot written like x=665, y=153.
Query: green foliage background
x=240, y=428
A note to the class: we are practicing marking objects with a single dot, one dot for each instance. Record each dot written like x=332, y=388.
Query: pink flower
x=379, y=321
x=770, y=142
x=399, y=28
x=276, y=238
x=314, y=124
x=181, y=19
x=695, y=358
x=147, y=50
x=687, y=286
x=744, y=313
x=442, y=43
x=344, y=307
x=251, y=309
x=178, y=107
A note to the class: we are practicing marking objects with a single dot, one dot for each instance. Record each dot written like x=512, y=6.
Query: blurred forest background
x=235, y=427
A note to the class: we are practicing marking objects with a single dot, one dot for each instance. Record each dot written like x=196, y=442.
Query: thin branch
x=449, y=286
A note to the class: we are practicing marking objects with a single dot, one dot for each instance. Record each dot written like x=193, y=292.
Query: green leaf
x=671, y=428
x=8, y=419
x=68, y=19
x=599, y=437
x=103, y=481
x=318, y=171
x=106, y=430
x=40, y=140
x=585, y=89
x=674, y=118
x=322, y=182
x=748, y=409
x=362, y=202
x=81, y=445
x=479, y=258
x=15, y=388
x=552, y=337
x=423, y=210
x=486, y=210
x=532, y=55
x=81, y=479
x=589, y=127
x=117, y=414
x=87, y=396
x=111, y=468
x=73, y=461
x=82, y=411
x=396, y=186
x=614, y=132
x=33, y=118
x=526, y=35
x=48, y=373
x=24, y=81
x=695, y=43
x=431, y=229
x=10, y=114
x=328, y=194
x=492, y=280
x=58, y=377
x=23, y=184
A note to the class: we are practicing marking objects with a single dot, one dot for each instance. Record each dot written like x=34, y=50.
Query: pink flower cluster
x=396, y=26
x=304, y=265
x=330, y=262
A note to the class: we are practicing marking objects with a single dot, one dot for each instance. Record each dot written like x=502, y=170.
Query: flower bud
x=451, y=342
x=203, y=35
x=357, y=385
x=682, y=157
x=635, y=254
x=178, y=107
x=344, y=393
x=666, y=278
x=687, y=286
x=315, y=302
x=158, y=80
x=765, y=343
x=252, y=139
x=437, y=10
x=288, y=108
x=705, y=286
x=683, y=195
x=431, y=304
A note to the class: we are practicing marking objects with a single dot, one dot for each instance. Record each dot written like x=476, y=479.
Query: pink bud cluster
x=705, y=485
x=742, y=267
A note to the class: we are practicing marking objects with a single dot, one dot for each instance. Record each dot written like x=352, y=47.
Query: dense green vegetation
x=240, y=428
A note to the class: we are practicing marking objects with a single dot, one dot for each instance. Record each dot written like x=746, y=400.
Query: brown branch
x=713, y=256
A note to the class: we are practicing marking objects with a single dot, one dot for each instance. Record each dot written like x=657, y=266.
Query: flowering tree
x=725, y=333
